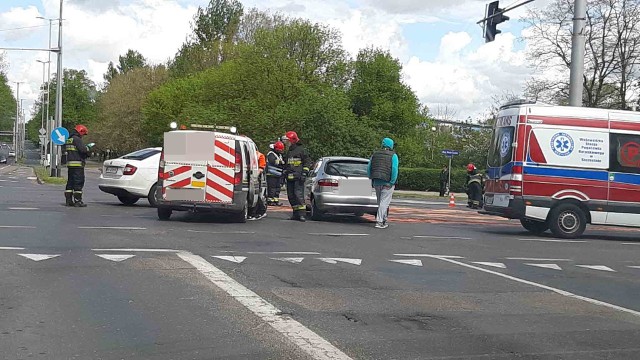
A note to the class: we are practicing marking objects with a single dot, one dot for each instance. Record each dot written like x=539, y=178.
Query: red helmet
x=278, y=146
x=82, y=130
x=292, y=137
x=471, y=167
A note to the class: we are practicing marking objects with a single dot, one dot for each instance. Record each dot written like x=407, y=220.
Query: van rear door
x=500, y=160
x=187, y=155
x=221, y=171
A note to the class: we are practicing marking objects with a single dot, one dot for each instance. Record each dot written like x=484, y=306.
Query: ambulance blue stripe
x=631, y=179
x=601, y=175
x=496, y=172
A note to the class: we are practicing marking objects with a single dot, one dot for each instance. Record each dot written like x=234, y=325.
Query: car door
x=310, y=180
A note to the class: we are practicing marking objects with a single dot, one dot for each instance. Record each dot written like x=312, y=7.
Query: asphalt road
x=113, y=282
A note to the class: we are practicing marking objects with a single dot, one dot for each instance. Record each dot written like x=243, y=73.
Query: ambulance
x=561, y=168
x=209, y=171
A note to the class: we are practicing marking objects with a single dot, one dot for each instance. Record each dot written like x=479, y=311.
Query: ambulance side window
x=625, y=153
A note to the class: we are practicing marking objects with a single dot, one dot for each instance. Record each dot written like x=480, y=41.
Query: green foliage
x=422, y=179
x=127, y=62
x=7, y=104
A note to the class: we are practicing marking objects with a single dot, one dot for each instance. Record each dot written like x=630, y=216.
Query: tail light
x=327, y=183
x=515, y=184
x=161, y=167
x=238, y=169
x=129, y=170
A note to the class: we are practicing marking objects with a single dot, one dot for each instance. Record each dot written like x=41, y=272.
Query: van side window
x=247, y=158
x=625, y=153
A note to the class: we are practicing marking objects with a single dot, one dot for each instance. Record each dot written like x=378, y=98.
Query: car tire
x=316, y=214
x=533, y=226
x=128, y=200
x=164, y=214
x=567, y=221
x=152, y=196
x=242, y=216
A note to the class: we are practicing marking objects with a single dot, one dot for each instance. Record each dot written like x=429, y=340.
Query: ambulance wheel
x=567, y=221
x=164, y=214
x=128, y=200
x=534, y=227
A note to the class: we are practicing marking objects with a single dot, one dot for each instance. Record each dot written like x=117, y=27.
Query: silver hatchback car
x=339, y=185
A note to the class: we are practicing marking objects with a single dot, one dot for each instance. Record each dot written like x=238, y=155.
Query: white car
x=132, y=176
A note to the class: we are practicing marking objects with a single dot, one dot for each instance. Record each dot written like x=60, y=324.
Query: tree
x=119, y=124
x=612, y=51
x=7, y=100
x=212, y=32
x=131, y=60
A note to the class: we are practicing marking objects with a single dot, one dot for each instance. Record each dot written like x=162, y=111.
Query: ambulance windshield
x=501, y=150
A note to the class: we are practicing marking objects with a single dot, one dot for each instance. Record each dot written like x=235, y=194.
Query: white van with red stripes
x=204, y=171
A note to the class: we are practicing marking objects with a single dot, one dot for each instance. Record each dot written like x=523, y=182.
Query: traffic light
x=492, y=21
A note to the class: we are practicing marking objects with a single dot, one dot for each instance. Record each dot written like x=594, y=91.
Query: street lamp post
x=43, y=146
x=48, y=127
x=56, y=171
x=16, y=125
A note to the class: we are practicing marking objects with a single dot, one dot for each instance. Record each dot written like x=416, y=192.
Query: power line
x=23, y=28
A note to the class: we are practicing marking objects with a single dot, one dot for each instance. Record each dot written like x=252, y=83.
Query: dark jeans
x=75, y=179
x=475, y=195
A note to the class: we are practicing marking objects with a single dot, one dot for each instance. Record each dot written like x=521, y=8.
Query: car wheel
x=128, y=200
x=567, y=221
x=164, y=214
x=534, y=227
x=242, y=216
x=152, y=196
x=316, y=214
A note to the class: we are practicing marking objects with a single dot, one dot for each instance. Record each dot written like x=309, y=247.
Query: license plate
x=112, y=170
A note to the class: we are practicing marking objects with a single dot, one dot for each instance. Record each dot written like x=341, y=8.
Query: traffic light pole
x=577, y=53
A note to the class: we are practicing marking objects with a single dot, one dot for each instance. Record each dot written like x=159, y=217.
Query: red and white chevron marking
x=224, y=153
x=220, y=182
x=177, y=176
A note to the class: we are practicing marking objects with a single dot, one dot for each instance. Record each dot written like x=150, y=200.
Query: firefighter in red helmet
x=76, y=154
x=297, y=164
x=275, y=163
x=474, y=187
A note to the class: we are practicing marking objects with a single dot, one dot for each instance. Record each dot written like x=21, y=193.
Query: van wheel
x=152, y=196
x=242, y=216
x=567, y=221
x=164, y=214
x=316, y=214
x=128, y=200
x=534, y=227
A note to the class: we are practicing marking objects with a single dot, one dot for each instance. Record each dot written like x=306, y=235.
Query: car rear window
x=141, y=154
x=348, y=168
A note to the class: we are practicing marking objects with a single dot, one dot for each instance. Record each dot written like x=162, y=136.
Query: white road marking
x=597, y=267
x=547, y=266
x=635, y=267
x=305, y=339
x=221, y=232
x=10, y=248
x=110, y=228
x=294, y=260
x=638, y=243
x=38, y=257
x=535, y=259
x=23, y=208
x=429, y=255
x=284, y=252
x=442, y=237
x=235, y=259
x=492, y=264
x=414, y=262
x=555, y=240
x=116, y=258
x=337, y=234
x=16, y=227
x=139, y=250
x=557, y=291
x=32, y=178
x=344, y=260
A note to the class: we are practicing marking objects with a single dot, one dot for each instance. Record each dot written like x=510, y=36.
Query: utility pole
x=577, y=53
x=48, y=120
x=56, y=154
x=16, y=127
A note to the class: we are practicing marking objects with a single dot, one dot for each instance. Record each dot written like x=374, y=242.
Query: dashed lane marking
x=413, y=262
x=492, y=264
x=556, y=290
x=10, y=248
x=638, y=243
x=138, y=250
x=310, y=342
x=116, y=258
x=597, y=267
x=442, y=237
x=283, y=252
x=429, y=255
x=222, y=232
x=344, y=260
x=336, y=234
x=546, y=266
x=23, y=208
x=535, y=259
x=17, y=227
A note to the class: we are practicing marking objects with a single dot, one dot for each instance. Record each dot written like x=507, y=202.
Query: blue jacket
x=387, y=144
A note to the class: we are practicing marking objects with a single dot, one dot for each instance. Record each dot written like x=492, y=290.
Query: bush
x=423, y=179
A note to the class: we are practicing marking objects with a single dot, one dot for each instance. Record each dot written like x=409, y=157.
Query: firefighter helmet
x=82, y=130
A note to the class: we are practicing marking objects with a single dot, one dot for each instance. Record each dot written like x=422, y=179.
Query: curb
x=35, y=173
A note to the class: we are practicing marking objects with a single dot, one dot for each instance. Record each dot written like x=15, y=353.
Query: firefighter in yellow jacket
x=76, y=152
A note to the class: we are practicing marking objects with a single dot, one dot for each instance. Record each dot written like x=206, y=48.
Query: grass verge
x=43, y=176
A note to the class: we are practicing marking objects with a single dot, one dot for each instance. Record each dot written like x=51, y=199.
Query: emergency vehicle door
x=624, y=180
x=251, y=170
x=220, y=172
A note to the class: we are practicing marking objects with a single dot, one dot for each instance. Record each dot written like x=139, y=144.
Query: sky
x=445, y=60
